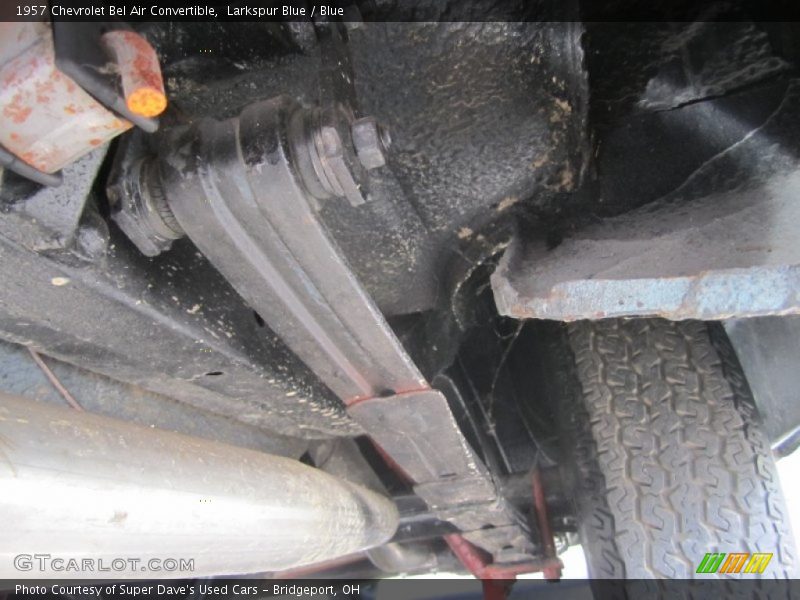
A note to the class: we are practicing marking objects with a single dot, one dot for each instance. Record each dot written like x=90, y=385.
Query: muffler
x=86, y=496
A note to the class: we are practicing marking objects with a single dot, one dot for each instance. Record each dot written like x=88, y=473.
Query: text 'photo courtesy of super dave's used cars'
x=376, y=299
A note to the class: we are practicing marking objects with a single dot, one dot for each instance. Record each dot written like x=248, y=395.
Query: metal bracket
x=242, y=189
x=81, y=56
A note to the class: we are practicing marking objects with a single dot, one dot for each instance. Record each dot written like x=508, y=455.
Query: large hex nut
x=371, y=142
x=140, y=209
x=337, y=177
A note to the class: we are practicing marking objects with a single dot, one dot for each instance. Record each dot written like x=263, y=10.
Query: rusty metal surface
x=420, y=435
x=724, y=244
x=48, y=120
x=140, y=73
x=553, y=570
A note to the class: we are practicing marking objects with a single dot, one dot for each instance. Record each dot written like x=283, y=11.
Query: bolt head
x=92, y=237
x=113, y=194
x=370, y=141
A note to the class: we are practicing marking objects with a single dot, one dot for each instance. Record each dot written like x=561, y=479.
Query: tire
x=665, y=459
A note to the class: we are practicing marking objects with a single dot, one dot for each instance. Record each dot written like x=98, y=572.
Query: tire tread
x=670, y=459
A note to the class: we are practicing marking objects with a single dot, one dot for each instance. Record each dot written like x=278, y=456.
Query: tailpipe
x=87, y=496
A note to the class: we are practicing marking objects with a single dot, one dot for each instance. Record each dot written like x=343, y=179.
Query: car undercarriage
x=450, y=286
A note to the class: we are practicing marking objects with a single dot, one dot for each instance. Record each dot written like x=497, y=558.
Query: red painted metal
x=361, y=399
x=473, y=558
x=512, y=571
x=497, y=579
x=553, y=570
x=479, y=562
x=496, y=589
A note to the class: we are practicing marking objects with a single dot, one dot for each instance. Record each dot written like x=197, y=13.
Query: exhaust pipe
x=86, y=496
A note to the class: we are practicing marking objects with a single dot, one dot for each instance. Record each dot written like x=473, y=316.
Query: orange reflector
x=146, y=102
x=139, y=71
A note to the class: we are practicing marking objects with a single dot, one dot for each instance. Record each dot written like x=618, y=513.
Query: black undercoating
x=497, y=126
